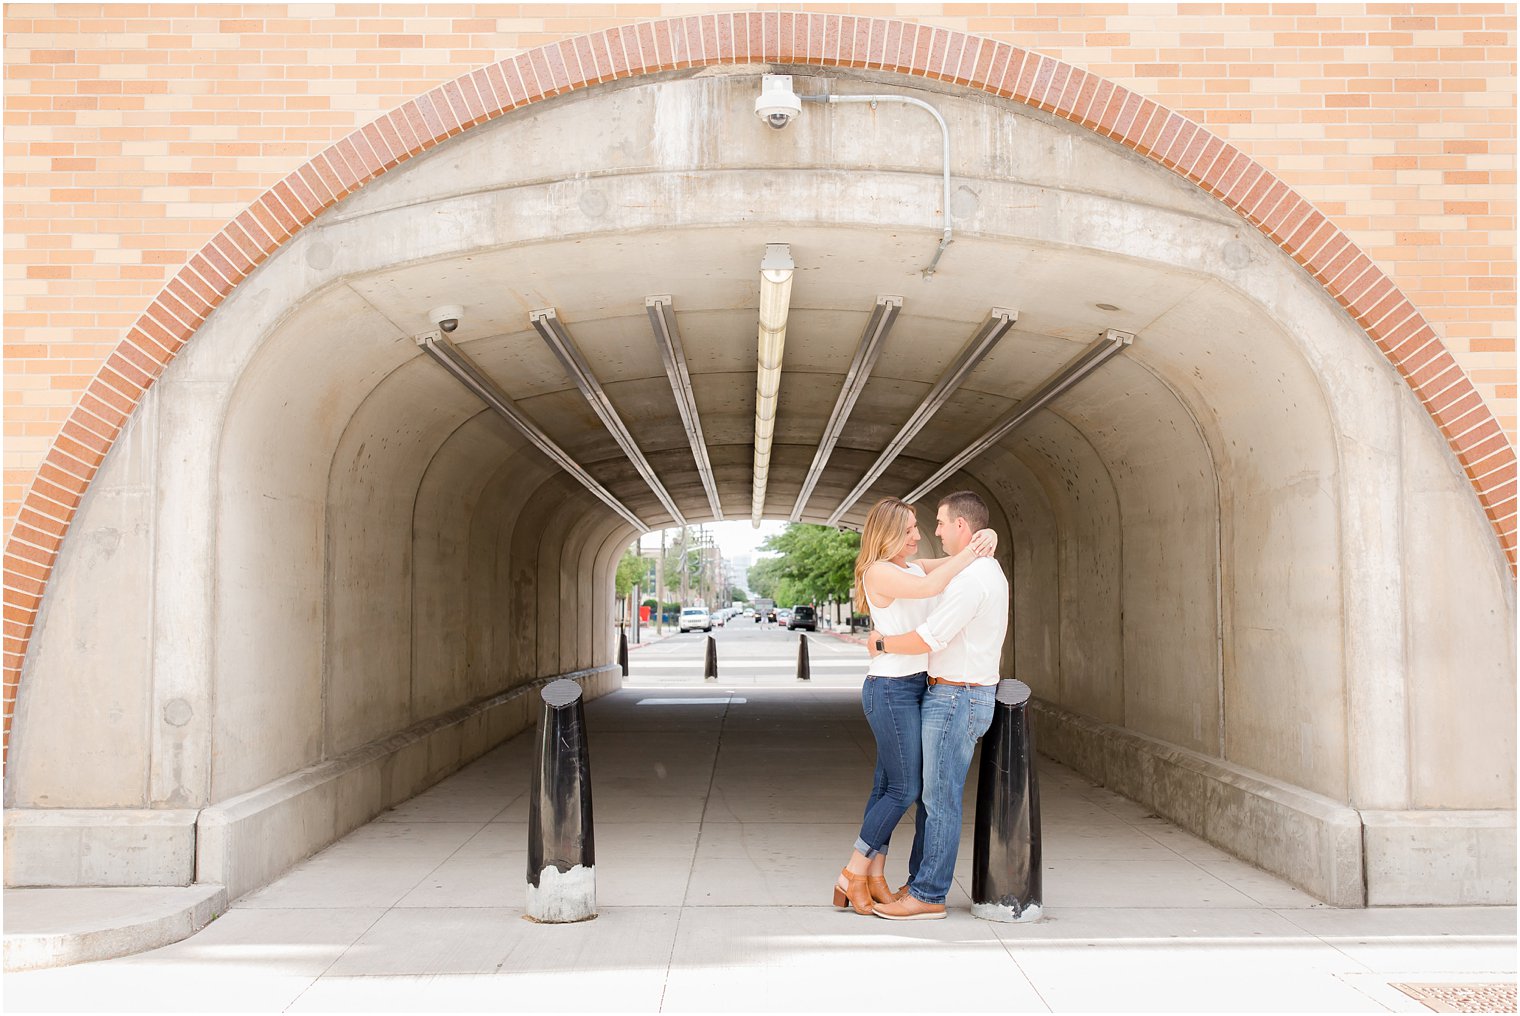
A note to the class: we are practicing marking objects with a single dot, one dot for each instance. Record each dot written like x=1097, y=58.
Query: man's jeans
x=891, y=706
x=954, y=719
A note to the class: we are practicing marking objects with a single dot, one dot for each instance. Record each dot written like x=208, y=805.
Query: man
x=964, y=639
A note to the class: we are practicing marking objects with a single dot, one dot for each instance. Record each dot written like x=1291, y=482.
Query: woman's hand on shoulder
x=984, y=543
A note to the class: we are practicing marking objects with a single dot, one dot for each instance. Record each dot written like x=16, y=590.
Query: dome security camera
x=777, y=104
x=446, y=317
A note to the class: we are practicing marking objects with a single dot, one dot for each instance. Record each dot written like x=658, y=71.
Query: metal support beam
x=1111, y=344
x=994, y=328
x=466, y=372
x=662, y=318
x=883, y=316
x=546, y=322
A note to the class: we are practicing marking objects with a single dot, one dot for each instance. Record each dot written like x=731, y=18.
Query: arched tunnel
x=1252, y=587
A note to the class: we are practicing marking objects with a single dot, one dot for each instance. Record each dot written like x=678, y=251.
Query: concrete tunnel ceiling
x=359, y=546
x=598, y=289
x=1194, y=330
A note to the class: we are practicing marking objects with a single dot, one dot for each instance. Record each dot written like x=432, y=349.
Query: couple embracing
x=928, y=696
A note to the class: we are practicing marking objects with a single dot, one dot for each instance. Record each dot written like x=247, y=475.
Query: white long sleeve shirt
x=965, y=631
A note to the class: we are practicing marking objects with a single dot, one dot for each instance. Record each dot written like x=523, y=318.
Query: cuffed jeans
x=891, y=705
x=954, y=718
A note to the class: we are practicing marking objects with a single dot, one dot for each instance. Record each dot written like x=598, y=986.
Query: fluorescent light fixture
x=1109, y=345
x=998, y=322
x=776, y=270
x=883, y=315
x=547, y=323
x=468, y=373
x=662, y=319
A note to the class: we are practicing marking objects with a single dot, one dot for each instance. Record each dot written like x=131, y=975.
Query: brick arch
x=805, y=39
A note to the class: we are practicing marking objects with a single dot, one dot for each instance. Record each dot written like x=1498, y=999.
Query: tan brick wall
x=134, y=133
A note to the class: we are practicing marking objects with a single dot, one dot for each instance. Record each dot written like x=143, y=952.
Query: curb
x=858, y=640
x=59, y=927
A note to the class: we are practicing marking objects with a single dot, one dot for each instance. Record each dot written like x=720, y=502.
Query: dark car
x=803, y=616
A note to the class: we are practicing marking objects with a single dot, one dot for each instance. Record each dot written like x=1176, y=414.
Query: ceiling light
x=776, y=270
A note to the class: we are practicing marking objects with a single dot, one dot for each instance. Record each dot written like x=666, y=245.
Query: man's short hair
x=967, y=505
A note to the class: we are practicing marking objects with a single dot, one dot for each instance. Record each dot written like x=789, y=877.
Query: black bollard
x=1005, y=864
x=623, y=649
x=561, y=844
x=804, y=668
x=710, y=664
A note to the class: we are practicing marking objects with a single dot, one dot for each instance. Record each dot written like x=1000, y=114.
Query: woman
x=895, y=592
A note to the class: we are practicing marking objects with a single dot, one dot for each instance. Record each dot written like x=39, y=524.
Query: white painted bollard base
x=563, y=897
x=1005, y=914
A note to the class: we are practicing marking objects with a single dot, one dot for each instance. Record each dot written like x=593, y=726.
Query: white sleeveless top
x=902, y=616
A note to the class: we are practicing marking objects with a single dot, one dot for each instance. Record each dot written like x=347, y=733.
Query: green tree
x=764, y=577
x=816, y=564
x=631, y=571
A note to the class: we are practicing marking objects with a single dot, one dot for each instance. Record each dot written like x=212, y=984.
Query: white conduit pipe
x=944, y=129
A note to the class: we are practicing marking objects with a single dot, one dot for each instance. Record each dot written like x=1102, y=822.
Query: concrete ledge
x=99, y=847
x=247, y=841
x=56, y=927
x=1310, y=840
x=1447, y=857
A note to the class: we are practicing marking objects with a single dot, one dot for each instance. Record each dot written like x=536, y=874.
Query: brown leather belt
x=959, y=684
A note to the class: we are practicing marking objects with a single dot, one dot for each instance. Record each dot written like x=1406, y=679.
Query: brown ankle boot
x=881, y=892
x=857, y=898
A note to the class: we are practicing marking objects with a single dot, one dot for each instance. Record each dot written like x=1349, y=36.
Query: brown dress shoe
x=857, y=897
x=910, y=908
x=881, y=892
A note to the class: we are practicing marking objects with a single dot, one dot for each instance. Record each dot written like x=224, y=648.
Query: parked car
x=803, y=616
x=695, y=618
x=783, y=616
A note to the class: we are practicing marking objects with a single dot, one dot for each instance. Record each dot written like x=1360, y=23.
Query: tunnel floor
x=722, y=817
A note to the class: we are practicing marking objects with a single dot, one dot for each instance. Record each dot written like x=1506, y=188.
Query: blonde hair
x=881, y=539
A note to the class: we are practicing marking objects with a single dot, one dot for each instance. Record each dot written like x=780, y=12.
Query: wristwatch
x=881, y=644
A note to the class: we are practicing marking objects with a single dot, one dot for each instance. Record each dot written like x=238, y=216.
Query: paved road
x=749, y=655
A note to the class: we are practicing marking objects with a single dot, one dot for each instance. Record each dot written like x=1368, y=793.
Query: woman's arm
x=885, y=582
x=928, y=564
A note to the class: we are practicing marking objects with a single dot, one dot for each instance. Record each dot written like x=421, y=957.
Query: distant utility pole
x=685, y=567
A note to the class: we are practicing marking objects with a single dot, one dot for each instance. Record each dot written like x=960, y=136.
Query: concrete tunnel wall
x=1246, y=568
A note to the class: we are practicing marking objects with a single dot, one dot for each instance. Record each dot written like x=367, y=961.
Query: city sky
x=734, y=538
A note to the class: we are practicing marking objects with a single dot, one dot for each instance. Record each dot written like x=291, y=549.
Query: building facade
x=1264, y=564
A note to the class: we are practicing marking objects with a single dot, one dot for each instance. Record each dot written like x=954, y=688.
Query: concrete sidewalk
x=722, y=818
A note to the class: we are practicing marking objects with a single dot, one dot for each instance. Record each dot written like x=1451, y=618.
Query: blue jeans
x=954, y=719
x=891, y=707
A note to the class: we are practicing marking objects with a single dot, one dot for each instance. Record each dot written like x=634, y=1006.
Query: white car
x=695, y=618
